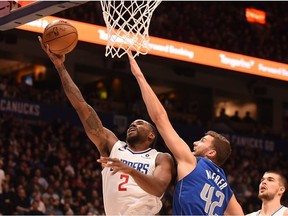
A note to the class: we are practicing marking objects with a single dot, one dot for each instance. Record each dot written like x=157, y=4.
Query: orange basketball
x=61, y=36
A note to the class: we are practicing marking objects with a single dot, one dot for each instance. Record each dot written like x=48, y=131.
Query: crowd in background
x=219, y=25
x=51, y=168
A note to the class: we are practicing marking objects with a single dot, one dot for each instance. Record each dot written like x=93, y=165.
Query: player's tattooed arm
x=89, y=118
x=93, y=122
x=71, y=90
x=87, y=114
x=103, y=138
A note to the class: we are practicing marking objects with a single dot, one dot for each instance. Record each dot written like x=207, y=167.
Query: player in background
x=202, y=187
x=271, y=189
x=134, y=176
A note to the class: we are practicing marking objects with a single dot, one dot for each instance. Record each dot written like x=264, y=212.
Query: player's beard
x=265, y=196
x=200, y=153
x=132, y=140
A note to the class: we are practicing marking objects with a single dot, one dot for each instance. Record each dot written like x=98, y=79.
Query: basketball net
x=127, y=23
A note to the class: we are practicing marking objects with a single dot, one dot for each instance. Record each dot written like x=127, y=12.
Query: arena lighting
x=177, y=50
x=255, y=16
x=33, y=10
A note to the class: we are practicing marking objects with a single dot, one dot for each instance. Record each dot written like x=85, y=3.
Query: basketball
x=61, y=36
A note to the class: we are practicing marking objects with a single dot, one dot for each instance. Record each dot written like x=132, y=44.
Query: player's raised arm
x=158, y=114
x=100, y=136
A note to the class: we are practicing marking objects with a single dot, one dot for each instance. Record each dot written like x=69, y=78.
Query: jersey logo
x=141, y=167
x=146, y=156
x=121, y=149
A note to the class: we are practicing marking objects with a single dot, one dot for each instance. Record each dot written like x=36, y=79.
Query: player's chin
x=128, y=136
x=131, y=138
x=195, y=153
x=262, y=195
x=131, y=134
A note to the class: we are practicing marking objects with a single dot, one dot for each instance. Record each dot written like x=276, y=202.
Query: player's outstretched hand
x=136, y=71
x=56, y=59
x=129, y=54
x=115, y=164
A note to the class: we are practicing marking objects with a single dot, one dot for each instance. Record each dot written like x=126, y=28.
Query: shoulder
x=208, y=162
x=163, y=158
x=203, y=160
x=199, y=158
x=286, y=211
x=118, y=146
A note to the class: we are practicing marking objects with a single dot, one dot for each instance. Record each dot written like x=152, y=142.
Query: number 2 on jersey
x=207, y=195
x=121, y=186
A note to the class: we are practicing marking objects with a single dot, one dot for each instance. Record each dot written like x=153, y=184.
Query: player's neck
x=270, y=207
x=138, y=148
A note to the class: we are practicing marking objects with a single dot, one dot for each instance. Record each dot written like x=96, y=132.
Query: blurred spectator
x=67, y=210
x=53, y=206
x=37, y=204
x=49, y=193
x=42, y=182
x=34, y=208
x=22, y=202
x=223, y=117
x=235, y=117
x=8, y=200
x=248, y=119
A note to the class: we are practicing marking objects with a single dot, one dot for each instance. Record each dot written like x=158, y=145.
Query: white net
x=127, y=23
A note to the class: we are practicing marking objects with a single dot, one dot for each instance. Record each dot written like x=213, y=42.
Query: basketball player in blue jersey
x=134, y=176
x=202, y=188
x=272, y=187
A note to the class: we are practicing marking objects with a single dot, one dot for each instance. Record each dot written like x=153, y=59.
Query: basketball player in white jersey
x=271, y=189
x=135, y=176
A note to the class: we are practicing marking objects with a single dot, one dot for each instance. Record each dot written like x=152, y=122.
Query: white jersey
x=121, y=194
x=279, y=212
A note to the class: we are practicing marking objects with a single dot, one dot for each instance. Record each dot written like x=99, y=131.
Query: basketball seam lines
x=61, y=37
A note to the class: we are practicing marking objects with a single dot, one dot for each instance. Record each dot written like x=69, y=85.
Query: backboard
x=33, y=11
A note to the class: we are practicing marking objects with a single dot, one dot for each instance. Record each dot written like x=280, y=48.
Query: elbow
x=160, y=189
x=159, y=194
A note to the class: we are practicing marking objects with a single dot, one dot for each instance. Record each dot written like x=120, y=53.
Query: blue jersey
x=204, y=191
